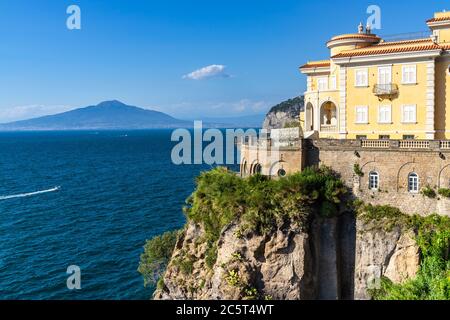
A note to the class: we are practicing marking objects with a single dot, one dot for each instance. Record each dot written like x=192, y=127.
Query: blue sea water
x=101, y=195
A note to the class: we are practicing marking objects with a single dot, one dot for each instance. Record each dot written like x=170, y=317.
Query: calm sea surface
x=89, y=199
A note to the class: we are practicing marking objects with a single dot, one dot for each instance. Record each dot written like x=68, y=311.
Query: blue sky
x=142, y=52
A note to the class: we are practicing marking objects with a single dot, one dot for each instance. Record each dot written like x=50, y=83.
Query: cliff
x=285, y=114
x=295, y=238
x=333, y=260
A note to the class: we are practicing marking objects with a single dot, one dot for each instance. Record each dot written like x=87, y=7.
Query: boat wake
x=24, y=195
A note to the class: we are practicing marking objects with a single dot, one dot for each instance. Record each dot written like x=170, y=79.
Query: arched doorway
x=257, y=169
x=309, y=117
x=328, y=117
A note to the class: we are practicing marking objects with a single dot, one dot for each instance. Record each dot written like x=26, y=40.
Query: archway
x=328, y=117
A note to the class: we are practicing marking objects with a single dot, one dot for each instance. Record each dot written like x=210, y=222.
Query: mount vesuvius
x=106, y=115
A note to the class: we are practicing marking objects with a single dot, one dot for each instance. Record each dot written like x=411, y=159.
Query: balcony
x=388, y=91
x=328, y=128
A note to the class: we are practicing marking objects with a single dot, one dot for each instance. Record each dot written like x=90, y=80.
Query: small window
x=384, y=137
x=413, y=183
x=384, y=114
x=361, y=78
x=408, y=137
x=361, y=137
x=409, y=114
x=322, y=84
x=362, y=116
x=281, y=173
x=409, y=74
x=374, y=181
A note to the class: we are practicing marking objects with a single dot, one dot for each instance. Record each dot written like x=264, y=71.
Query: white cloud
x=10, y=114
x=215, y=70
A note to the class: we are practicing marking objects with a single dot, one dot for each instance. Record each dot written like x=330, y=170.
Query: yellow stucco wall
x=442, y=115
x=408, y=95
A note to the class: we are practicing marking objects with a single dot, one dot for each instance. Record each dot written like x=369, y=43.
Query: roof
x=362, y=36
x=317, y=64
x=440, y=19
x=393, y=47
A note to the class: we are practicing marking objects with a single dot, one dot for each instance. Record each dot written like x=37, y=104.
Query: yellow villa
x=374, y=89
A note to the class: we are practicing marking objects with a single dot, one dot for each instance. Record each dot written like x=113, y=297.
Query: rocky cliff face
x=390, y=253
x=285, y=114
x=334, y=258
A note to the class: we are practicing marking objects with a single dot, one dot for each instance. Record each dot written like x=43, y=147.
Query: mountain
x=106, y=115
x=285, y=114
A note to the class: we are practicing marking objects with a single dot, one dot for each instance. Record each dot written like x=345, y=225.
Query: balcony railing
x=328, y=128
x=385, y=90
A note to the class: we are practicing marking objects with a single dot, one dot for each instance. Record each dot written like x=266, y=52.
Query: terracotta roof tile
x=316, y=64
x=392, y=47
x=438, y=19
x=355, y=36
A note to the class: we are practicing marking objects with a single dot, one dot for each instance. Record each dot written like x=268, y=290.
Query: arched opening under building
x=328, y=117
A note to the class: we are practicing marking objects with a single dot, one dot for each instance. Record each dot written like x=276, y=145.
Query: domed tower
x=353, y=41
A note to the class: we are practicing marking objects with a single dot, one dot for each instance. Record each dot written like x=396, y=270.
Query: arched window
x=374, y=180
x=244, y=168
x=281, y=173
x=257, y=169
x=413, y=183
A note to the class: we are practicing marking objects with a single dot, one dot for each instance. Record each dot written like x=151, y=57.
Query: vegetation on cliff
x=259, y=203
x=156, y=256
x=433, y=237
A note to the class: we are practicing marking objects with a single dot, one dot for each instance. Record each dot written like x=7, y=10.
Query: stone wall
x=394, y=161
x=393, y=166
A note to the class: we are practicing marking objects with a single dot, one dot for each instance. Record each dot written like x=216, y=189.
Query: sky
x=190, y=59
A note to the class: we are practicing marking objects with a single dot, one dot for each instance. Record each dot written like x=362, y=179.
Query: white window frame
x=413, y=183
x=325, y=83
x=406, y=119
x=374, y=180
x=363, y=83
x=408, y=78
x=333, y=83
x=381, y=83
x=362, y=121
x=389, y=119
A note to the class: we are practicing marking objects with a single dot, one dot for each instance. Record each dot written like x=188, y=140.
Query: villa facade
x=374, y=89
x=377, y=113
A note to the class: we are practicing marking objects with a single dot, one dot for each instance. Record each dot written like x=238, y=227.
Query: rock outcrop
x=285, y=114
x=334, y=258
x=390, y=253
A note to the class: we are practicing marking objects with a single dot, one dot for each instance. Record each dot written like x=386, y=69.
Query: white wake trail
x=23, y=195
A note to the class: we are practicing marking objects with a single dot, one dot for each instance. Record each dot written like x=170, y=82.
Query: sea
x=88, y=199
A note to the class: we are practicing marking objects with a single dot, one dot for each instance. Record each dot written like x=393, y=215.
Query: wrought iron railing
x=389, y=89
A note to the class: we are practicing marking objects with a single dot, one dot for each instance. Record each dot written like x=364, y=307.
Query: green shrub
x=156, y=255
x=444, y=192
x=186, y=265
x=233, y=279
x=428, y=192
x=432, y=281
x=250, y=293
x=357, y=170
x=261, y=203
x=211, y=256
